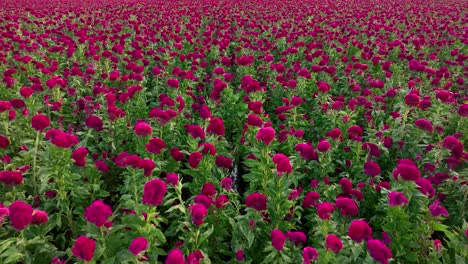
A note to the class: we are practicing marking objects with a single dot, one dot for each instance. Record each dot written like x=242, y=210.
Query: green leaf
x=206, y=234
x=11, y=255
x=109, y=261
x=14, y=258
x=159, y=235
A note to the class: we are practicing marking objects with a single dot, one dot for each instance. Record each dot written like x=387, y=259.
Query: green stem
x=36, y=149
x=103, y=241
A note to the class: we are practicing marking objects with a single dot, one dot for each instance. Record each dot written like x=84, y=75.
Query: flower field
x=230, y=131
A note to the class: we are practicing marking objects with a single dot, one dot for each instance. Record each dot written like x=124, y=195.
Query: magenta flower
x=195, y=131
x=198, y=213
x=223, y=162
x=309, y=254
x=173, y=83
x=324, y=209
x=240, y=255
x=277, y=239
x=194, y=257
x=310, y=199
x=98, y=213
x=172, y=179
x=208, y=189
x=175, y=257
x=306, y=151
x=256, y=201
x=424, y=125
x=282, y=164
x=20, y=214
x=194, y=159
x=407, y=170
x=155, y=145
x=435, y=208
x=266, y=135
x=154, y=192
x=371, y=168
x=296, y=237
x=359, y=230
x=396, y=199
x=138, y=245
x=226, y=183
x=323, y=145
x=216, y=126
x=379, y=251
x=39, y=217
x=40, y=122
x=4, y=142
x=84, y=248
x=347, y=206
x=412, y=99
x=94, y=122
x=333, y=243
x=142, y=129
x=79, y=155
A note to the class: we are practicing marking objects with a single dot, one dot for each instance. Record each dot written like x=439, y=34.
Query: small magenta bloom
x=138, y=245
x=266, y=135
x=396, y=199
x=256, y=201
x=379, y=251
x=194, y=257
x=310, y=199
x=359, y=230
x=221, y=201
x=306, y=151
x=223, y=162
x=154, y=192
x=424, y=125
x=226, y=183
x=324, y=209
x=354, y=133
x=282, y=164
x=412, y=99
x=195, y=131
x=98, y=213
x=155, y=145
x=142, y=129
x=20, y=214
x=173, y=83
x=39, y=217
x=199, y=213
x=435, y=208
x=79, y=155
x=4, y=142
x=240, y=255
x=194, y=159
x=323, y=146
x=216, y=126
x=39, y=122
x=94, y=122
x=208, y=189
x=309, y=254
x=296, y=237
x=407, y=170
x=347, y=206
x=84, y=248
x=4, y=212
x=277, y=239
x=175, y=257
x=172, y=178
x=333, y=243
x=371, y=168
